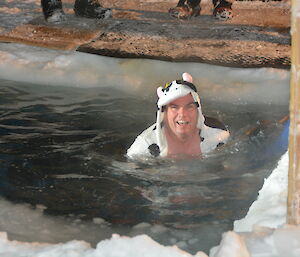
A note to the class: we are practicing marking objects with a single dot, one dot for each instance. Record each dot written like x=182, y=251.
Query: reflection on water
x=64, y=149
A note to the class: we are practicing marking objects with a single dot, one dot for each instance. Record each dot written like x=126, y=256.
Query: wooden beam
x=293, y=216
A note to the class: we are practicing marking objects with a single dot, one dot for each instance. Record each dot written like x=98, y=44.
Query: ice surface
x=141, y=245
x=141, y=76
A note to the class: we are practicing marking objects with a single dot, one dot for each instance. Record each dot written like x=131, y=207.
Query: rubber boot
x=222, y=9
x=91, y=9
x=52, y=10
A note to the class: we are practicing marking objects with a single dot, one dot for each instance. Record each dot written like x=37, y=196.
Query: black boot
x=185, y=9
x=91, y=9
x=52, y=10
x=222, y=9
x=195, y=6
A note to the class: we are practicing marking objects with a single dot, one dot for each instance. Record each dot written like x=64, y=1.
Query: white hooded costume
x=152, y=141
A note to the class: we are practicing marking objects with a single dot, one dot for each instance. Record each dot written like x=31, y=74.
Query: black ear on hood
x=214, y=123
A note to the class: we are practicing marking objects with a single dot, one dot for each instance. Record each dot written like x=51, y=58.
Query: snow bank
x=261, y=242
x=138, y=246
x=270, y=208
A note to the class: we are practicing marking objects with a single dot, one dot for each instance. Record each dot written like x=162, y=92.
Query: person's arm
x=139, y=148
x=144, y=145
x=214, y=134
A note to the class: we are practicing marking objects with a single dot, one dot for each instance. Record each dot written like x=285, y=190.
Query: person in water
x=53, y=10
x=181, y=130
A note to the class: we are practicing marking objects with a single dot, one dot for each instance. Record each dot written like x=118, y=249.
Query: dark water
x=64, y=148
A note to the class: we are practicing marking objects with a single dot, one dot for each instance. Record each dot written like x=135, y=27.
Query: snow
x=270, y=208
x=231, y=245
x=137, y=246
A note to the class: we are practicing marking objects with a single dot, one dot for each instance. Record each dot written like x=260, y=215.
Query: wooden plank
x=294, y=136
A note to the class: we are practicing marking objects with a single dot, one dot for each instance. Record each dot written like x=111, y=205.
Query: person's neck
x=182, y=139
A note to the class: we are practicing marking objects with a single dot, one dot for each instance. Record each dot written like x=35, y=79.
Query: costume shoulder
x=213, y=134
x=214, y=123
x=145, y=144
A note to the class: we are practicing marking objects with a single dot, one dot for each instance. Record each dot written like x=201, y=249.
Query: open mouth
x=182, y=122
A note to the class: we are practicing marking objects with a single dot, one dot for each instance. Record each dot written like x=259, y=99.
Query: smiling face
x=181, y=117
